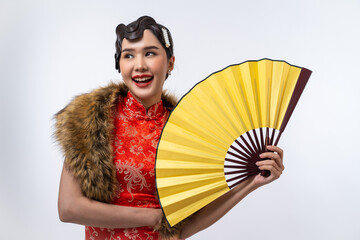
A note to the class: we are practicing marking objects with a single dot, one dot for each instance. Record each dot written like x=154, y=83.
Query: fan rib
x=277, y=139
x=238, y=151
x=235, y=161
x=246, y=174
x=235, y=166
x=248, y=167
x=236, y=172
x=245, y=177
x=236, y=155
x=262, y=140
x=252, y=142
x=242, y=146
x=257, y=140
x=272, y=137
x=247, y=144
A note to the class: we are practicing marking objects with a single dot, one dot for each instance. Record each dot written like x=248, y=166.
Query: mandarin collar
x=134, y=109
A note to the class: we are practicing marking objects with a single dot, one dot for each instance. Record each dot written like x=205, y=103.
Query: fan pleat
x=187, y=202
x=177, y=168
x=288, y=91
x=180, y=184
x=173, y=151
x=195, y=127
x=193, y=140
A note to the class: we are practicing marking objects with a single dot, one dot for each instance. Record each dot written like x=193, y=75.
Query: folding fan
x=214, y=136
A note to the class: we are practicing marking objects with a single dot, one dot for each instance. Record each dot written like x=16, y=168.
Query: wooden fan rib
x=252, y=151
x=240, y=181
x=236, y=172
x=242, y=155
x=254, y=146
x=243, y=148
x=245, y=174
x=236, y=161
x=239, y=166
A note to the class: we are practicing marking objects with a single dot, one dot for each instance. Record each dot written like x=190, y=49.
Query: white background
x=51, y=51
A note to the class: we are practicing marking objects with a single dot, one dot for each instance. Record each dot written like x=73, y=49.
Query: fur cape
x=84, y=130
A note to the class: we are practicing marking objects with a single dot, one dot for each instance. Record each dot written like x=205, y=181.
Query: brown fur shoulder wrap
x=84, y=130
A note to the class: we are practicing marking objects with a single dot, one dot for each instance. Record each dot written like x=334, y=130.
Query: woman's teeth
x=142, y=79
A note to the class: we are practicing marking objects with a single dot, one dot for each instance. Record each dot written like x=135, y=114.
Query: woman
x=109, y=138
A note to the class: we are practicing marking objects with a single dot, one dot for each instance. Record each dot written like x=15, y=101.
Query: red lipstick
x=142, y=80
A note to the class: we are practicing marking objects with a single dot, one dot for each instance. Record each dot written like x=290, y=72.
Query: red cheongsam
x=136, y=136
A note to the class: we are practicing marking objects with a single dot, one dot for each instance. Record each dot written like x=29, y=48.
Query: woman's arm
x=74, y=207
x=218, y=208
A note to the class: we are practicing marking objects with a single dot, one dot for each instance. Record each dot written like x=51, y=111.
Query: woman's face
x=144, y=66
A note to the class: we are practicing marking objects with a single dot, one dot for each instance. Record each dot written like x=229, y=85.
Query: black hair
x=135, y=30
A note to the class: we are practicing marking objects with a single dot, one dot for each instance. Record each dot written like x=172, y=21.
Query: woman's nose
x=140, y=64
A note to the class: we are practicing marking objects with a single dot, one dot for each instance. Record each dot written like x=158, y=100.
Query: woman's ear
x=171, y=63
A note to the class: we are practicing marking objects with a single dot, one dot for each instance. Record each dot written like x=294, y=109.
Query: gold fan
x=215, y=134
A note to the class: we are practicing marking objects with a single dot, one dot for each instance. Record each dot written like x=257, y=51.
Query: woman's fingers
x=271, y=163
x=275, y=171
x=274, y=157
x=276, y=149
x=277, y=155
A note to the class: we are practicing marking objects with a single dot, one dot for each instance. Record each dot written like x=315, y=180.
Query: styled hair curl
x=135, y=30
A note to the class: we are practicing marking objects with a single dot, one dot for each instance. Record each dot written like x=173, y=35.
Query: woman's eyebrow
x=127, y=50
x=150, y=47
x=145, y=48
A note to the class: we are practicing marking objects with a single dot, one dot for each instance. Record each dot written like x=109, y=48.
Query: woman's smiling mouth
x=142, y=80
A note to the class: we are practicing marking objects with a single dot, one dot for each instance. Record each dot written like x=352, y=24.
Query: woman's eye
x=149, y=54
x=128, y=56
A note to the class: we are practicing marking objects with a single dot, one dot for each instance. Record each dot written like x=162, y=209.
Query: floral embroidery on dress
x=91, y=232
x=131, y=233
x=133, y=176
x=118, y=145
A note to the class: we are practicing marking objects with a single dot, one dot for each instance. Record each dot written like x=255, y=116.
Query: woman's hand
x=274, y=164
x=218, y=208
